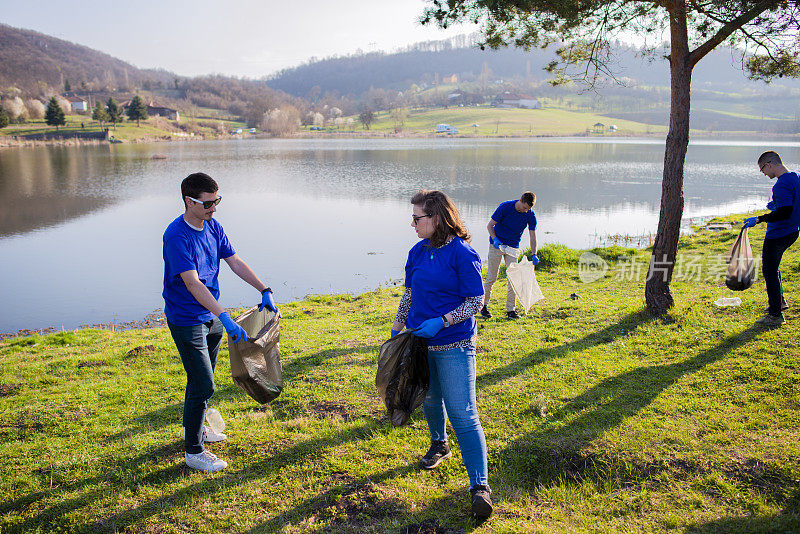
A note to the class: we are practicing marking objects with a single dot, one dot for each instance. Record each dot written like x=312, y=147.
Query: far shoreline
x=17, y=142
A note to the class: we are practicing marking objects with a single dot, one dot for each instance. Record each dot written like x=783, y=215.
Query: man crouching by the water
x=193, y=245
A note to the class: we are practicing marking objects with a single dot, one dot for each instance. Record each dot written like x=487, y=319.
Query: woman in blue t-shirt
x=444, y=291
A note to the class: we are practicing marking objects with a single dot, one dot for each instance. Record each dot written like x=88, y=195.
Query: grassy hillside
x=599, y=418
x=550, y=121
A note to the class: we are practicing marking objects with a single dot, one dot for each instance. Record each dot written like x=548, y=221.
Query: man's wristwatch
x=446, y=324
x=268, y=289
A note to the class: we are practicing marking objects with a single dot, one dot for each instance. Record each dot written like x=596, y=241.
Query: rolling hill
x=29, y=59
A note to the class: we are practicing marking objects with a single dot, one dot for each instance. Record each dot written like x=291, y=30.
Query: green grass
x=503, y=122
x=149, y=129
x=598, y=418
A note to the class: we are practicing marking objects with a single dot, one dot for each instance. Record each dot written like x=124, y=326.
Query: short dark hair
x=196, y=183
x=528, y=198
x=449, y=221
x=769, y=157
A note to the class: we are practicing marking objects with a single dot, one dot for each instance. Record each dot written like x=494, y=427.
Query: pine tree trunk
x=662, y=262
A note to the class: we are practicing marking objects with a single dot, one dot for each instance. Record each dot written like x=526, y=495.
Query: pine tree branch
x=728, y=29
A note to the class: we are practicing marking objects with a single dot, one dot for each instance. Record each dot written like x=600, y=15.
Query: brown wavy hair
x=449, y=222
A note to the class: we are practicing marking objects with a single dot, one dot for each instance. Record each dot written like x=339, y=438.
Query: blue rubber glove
x=749, y=223
x=496, y=243
x=236, y=332
x=429, y=328
x=394, y=333
x=268, y=302
x=771, y=205
x=535, y=259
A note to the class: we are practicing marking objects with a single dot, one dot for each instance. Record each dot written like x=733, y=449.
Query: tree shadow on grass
x=624, y=326
x=350, y=503
x=121, y=470
x=167, y=415
x=296, y=366
x=123, y=475
x=354, y=504
x=787, y=521
x=548, y=456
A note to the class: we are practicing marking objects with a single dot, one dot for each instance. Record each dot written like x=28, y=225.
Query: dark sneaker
x=485, y=313
x=439, y=451
x=512, y=315
x=481, y=501
x=771, y=320
x=784, y=307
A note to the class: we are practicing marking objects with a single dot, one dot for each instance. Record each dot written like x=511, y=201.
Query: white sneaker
x=209, y=436
x=205, y=461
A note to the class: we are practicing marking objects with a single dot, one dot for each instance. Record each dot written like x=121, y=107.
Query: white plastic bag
x=522, y=278
x=511, y=251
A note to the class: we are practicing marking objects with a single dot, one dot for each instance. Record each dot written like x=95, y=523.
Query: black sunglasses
x=416, y=218
x=207, y=203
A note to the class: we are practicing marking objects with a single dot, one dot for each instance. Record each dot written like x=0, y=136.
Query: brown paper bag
x=256, y=362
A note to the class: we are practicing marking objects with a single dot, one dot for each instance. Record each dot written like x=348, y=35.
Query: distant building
x=599, y=127
x=450, y=79
x=516, y=100
x=76, y=103
x=461, y=98
x=156, y=110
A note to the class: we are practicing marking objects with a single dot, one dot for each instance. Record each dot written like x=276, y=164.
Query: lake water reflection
x=80, y=232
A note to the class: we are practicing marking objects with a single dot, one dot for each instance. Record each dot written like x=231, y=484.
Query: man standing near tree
x=783, y=223
x=193, y=245
x=505, y=231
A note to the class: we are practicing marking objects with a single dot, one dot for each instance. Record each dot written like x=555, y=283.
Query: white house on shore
x=516, y=100
x=77, y=104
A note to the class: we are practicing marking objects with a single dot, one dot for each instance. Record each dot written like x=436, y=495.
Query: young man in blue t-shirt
x=193, y=245
x=783, y=223
x=505, y=228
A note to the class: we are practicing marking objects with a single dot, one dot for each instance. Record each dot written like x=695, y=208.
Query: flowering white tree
x=281, y=121
x=15, y=108
x=35, y=108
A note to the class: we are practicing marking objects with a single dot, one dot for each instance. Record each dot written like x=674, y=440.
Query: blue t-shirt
x=785, y=192
x=511, y=223
x=440, y=279
x=187, y=249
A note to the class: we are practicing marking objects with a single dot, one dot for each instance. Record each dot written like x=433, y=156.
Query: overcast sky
x=237, y=37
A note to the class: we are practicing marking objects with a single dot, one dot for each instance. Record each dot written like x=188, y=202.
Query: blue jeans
x=452, y=394
x=771, y=255
x=198, y=346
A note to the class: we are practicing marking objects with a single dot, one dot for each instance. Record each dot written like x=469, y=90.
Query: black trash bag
x=256, y=362
x=403, y=376
x=741, y=264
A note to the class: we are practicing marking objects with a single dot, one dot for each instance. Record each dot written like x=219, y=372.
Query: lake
x=80, y=235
